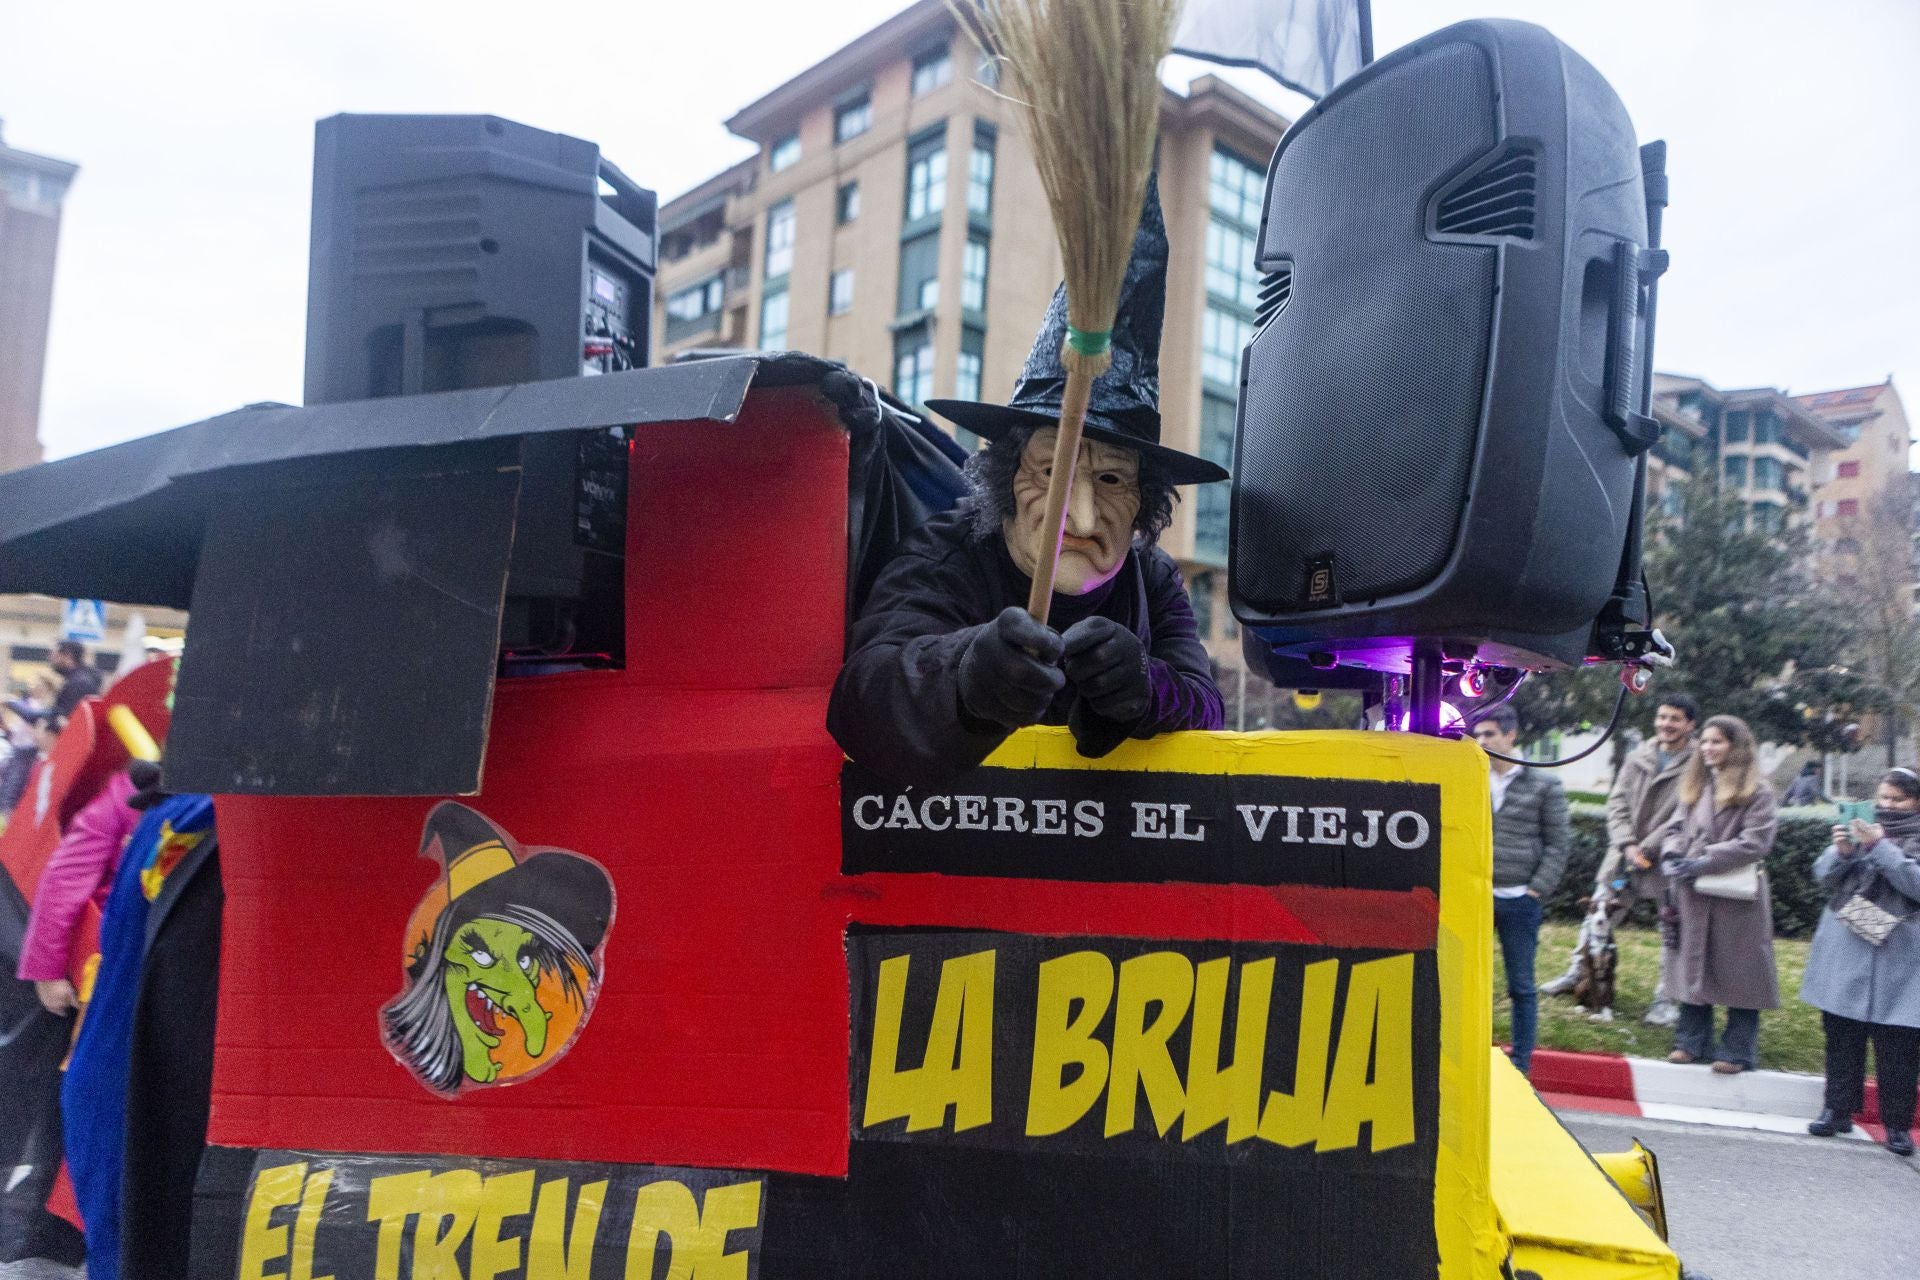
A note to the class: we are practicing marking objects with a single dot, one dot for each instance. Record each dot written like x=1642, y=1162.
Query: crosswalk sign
x=83, y=620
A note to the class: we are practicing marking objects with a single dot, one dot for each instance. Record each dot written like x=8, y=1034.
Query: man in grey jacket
x=1530, y=842
x=1639, y=806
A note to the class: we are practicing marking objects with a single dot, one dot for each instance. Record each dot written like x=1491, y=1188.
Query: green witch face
x=513, y=941
x=492, y=970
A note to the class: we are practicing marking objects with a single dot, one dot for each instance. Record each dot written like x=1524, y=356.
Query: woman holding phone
x=1863, y=970
x=1712, y=855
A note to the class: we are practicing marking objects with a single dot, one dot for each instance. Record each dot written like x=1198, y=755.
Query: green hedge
x=1797, y=899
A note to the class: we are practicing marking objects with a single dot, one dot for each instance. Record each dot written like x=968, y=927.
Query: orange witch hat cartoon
x=503, y=962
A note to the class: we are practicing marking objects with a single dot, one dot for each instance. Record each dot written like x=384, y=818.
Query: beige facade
x=1870, y=469
x=893, y=219
x=32, y=188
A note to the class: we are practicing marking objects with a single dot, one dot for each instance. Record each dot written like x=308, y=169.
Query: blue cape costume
x=93, y=1098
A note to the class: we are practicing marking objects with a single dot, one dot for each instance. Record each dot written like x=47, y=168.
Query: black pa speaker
x=459, y=251
x=470, y=251
x=1438, y=427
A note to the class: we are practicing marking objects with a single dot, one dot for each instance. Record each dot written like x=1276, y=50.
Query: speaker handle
x=1632, y=271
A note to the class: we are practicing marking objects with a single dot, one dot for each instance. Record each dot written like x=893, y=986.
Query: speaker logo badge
x=503, y=956
x=1322, y=590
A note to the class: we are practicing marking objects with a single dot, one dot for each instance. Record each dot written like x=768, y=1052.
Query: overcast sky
x=1794, y=132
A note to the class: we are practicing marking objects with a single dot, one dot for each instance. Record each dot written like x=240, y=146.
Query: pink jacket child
x=80, y=869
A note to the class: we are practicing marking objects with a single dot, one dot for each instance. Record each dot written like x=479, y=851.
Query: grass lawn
x=1790, y=1038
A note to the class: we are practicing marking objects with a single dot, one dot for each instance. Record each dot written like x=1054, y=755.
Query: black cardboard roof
x=124, y=523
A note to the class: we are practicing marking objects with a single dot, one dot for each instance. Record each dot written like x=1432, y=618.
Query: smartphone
x=1851, y=809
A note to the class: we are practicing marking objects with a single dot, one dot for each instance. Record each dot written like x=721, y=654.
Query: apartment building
x=892, y=218
x=1766, y=447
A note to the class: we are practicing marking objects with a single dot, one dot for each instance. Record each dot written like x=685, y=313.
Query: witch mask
x=1101, y=510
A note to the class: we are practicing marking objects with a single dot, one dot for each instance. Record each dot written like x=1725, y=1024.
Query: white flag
x=1307, y=45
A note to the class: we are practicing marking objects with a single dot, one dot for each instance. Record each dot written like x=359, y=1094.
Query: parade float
x=561, y=939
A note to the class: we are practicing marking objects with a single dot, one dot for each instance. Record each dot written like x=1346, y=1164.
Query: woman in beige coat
x=1725, y=822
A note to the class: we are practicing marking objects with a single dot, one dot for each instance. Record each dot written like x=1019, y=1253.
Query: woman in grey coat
x=1866, y=990
x=1725, y=820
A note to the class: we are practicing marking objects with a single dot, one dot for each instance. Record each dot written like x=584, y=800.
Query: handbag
x=1870, y=922
x=1742, y=884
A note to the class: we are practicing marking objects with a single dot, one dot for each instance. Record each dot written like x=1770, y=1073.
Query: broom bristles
x=1089, y=71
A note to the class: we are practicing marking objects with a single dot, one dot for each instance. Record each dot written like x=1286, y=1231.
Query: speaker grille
x=1361, y=408
x=1276, y=287
x=1493, y=200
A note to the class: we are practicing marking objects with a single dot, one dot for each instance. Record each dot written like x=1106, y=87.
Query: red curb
x=1581, y=1102
x=1604, y=1082
x=1586, y=1075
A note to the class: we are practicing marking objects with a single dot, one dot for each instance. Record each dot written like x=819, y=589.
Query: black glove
x=145, y=776
x=858, y=404
x=1009, y=672
x=1108, y=667
x=1677, y=867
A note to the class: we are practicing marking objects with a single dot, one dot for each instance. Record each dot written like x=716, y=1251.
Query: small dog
x=1593, y=974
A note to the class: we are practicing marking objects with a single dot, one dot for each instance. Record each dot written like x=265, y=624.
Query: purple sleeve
x=80, y=868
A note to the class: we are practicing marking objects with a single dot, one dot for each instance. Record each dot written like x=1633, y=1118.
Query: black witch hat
x=1125, y=406
x=487, y=869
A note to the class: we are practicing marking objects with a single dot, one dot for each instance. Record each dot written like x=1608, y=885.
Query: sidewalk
x=1774, y=1101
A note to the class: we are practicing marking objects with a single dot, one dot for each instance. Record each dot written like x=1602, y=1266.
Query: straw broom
x=1089, y=75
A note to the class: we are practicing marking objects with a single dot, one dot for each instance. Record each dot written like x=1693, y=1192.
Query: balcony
x=679, y=330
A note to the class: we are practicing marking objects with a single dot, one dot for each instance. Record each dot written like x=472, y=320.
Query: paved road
x=1766, y=1206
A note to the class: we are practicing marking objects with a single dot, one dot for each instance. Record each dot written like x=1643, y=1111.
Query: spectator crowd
x=1690, y=821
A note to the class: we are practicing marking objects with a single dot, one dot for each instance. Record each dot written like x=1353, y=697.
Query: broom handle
x=1066, y=452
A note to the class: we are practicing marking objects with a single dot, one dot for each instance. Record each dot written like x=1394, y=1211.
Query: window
x=1847, y=470
x=1768, y=429
x=846, y=205
x=966, y=379
x=1233, y=282
x=973, y=276
x=1223, y=335
x=927, y=178
x=1234, y=187
x=1737, y=424
x=1769, y=473
x=1847, y=507
x=1735, y=471
x=696, y=300
x=913, y=364
x=1769, y=517
x=1672, y=503
x=773, y=321
x=920, y=274
x=931, y=69
x=988, y=72
x=853, y=117
x=779, y=240
x=1211, y=500
x=785, y=153
x=690, y=309
x=1675, y=449
x=840, y=292
x=1848, y=546
x=1231, y=274
x=980, y=173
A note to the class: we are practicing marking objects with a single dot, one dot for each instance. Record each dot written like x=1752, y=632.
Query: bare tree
x=1867, y=577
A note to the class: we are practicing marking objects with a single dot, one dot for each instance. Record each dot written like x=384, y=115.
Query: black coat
x=170, y=1075
x=896, y=705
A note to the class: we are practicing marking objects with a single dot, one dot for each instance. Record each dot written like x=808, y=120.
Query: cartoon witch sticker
x=503, y=956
